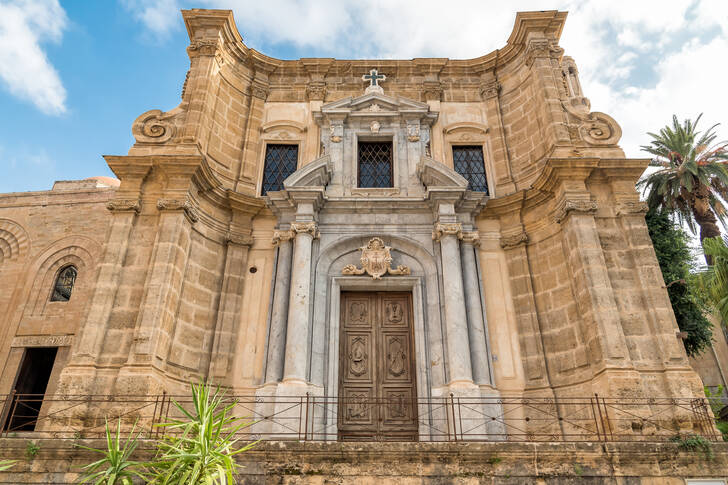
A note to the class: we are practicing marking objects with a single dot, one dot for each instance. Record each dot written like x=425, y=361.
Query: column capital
x=282, y=236
x=124, y=205
x=238, y=239
x=450, y=229
x=471, y=237
x=514, y=240
x=306, y=228
x=183, y=205
x=566, y=206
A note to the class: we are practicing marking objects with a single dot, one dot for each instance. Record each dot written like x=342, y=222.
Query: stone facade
x=546, y=287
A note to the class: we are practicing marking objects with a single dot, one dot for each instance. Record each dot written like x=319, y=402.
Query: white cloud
x=639, y=61
x=159, y=16
x=24, y=67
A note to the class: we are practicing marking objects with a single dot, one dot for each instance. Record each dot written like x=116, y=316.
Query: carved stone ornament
x=567, y=206
x=413, y=132
x=441, y=230
x=124, y=205
x=376, y=261
x=471, y=237
x=183, y=205
x=490, y=89
x=305, y=227
x=154, y=126
x=540, y=48
x=432, y=90
x=337, y=132
x=374, y=126
x=514, y=240
x=594, y=128
x=282, y=236
x=632, y=207
x=259, y=91
x=316, y=91
x=238, y=239
x=202, y=48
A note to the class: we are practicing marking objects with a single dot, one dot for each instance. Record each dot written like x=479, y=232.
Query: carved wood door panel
x=376, y=367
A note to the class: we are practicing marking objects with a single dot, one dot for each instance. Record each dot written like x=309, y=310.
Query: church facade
x=375, y=231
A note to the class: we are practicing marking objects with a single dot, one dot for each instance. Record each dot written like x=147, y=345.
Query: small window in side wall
x=280, y=162
x=64, y=284
x=468, y=162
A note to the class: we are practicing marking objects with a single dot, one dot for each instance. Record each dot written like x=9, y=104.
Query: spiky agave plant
x=201, y=447
x=116, y=466
x=7, y=464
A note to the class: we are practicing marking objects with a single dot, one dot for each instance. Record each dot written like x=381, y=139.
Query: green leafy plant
x=694, y=444
x=7, y=464
x=31, y=449
x=716, y=278
x=202, y=447
x=716, y=404
x=689, y=303
x=116, y=466
x=692, y=180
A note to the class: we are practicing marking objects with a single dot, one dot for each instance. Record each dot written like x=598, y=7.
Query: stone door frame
x=413, y=284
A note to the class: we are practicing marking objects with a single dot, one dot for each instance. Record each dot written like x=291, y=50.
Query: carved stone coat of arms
x=376, y=260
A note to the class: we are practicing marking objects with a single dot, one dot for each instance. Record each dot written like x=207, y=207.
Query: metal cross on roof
x=373, y=77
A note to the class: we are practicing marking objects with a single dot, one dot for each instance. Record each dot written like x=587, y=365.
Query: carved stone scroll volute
x=376, y=261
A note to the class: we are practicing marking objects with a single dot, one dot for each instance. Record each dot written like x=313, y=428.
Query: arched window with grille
x=64, y=284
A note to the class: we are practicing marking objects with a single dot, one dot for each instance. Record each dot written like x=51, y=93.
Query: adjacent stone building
x=393, y=230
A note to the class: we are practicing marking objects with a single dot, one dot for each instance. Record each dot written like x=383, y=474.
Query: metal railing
x=318, y=418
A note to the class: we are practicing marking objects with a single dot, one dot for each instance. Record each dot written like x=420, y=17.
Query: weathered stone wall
x=58, y=462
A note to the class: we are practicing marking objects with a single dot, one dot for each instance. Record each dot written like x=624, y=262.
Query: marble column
x=479, y=356
x=279, y=310
x=456, y=327
x=297, y=332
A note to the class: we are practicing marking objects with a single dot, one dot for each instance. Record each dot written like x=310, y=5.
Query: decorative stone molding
x=376, y=261
x=124, y=205
x=540, y=48
x=281, y=236
x=631, y=207
x=594, y=128
x=514, y=240
x=490, y=89
x=316, y=91
x=413, y=132
x=451, y=229
x=471, y=237
x=238, y=239
x=305, y=227
x=260, y=91
x=336, y=132
x=567, y=206
x=183, y=205
x=374, y=126
x=432, y=90
x=154, y=126
x=43, y=341
x=202, y=48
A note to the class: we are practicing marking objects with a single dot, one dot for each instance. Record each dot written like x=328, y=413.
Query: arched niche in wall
x=14, y=242
x=469, y=134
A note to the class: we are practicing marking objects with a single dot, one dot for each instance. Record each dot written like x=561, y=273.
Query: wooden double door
x=377, y=387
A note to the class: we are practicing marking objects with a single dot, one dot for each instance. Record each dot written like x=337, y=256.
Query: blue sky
x=74, y=75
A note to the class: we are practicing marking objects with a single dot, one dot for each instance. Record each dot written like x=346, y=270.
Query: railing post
x=305, y=430
x=5, y=417
x=596, y=422
x=452, y=408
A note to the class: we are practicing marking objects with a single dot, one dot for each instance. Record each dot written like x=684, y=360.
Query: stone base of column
x=143, y=381
x=293, y=410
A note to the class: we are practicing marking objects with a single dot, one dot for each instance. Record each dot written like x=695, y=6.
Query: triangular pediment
x=373, y=103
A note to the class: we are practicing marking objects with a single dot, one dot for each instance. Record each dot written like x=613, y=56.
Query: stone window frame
x=56, y=281
x=370, y=137
x=470, y=134
x=280, y=132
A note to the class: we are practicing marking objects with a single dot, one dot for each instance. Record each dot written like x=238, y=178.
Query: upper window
x=375, y=164
x=64, y=284
x=468, y=162
x=280, y=162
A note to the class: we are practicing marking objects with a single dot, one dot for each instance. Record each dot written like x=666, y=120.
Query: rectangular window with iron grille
x=468, y=162
x=375, y=164
x=280, y=162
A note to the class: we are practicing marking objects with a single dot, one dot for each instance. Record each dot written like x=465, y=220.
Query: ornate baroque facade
x=376, y=269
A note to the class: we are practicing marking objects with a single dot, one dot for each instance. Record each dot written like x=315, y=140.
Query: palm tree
x=692, y=180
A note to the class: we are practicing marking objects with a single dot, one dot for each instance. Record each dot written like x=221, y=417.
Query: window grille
x=468, y=162
x=280, y=162
x=64, y=284
x=375, y=164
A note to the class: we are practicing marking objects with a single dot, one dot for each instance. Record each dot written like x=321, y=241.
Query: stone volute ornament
x=154, y=126
x=376, y=260
x=450, y=229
